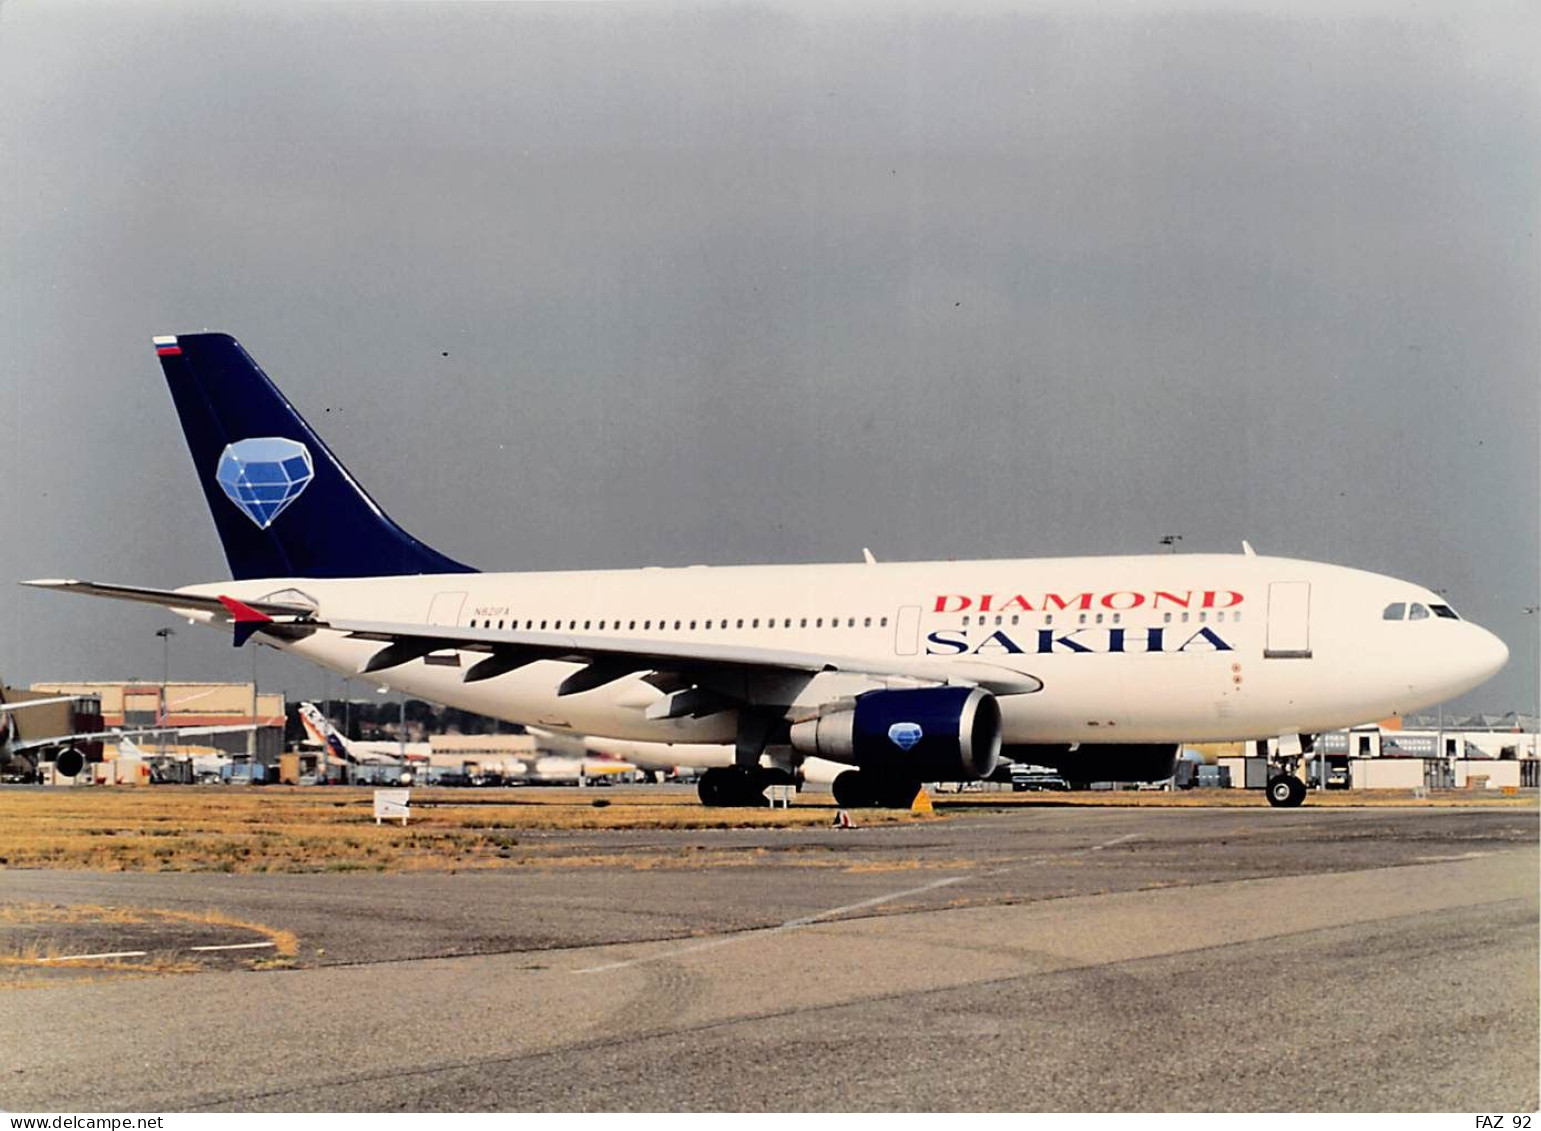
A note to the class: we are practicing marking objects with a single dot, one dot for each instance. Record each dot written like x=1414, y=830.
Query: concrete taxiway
x=1037, y=958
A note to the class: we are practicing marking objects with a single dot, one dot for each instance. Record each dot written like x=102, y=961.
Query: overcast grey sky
x=734, y=284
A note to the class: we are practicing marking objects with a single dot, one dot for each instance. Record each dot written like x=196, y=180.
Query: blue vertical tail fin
x=284, y=505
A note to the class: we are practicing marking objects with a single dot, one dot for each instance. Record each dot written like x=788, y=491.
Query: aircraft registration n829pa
x=906, y=672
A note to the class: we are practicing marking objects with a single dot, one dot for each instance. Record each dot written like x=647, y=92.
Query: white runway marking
x=789, y=925
x=235, y=946
x=822, y=916
x=142, y=953
x=1111, y=843
x=873, y=902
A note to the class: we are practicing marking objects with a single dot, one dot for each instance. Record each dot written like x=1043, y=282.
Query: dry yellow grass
x=287, y=829
x=332, y=829
x=33, y=958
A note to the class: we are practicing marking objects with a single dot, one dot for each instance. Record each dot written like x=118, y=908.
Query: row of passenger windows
x=678, y=625
x=1401, y=610
x=1000, y=620
x=1202, y=617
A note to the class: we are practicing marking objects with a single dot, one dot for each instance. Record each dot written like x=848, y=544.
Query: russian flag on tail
x=166, y=346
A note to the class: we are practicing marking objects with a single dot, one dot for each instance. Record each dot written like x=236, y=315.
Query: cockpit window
x=1444, y=611
x=1418, y=612
x=1395, y=611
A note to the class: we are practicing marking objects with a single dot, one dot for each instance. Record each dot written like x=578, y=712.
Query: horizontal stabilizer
x=170, y=598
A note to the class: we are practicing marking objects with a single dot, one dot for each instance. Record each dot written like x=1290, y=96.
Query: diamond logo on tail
x=905, y=735
x=264, y=475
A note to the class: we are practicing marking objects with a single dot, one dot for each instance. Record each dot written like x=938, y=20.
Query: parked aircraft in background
x=321, y=732
x=564, y=759
x=903, y=672
x=67, y=752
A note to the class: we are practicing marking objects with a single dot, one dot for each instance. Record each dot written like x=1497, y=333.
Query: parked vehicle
x=1025, y=778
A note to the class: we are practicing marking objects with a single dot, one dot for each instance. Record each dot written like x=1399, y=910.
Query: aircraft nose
x=1489, y=653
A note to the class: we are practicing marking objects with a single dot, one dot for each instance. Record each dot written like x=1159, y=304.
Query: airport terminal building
x=136, y=703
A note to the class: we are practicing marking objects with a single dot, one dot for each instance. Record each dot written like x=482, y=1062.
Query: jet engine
x=921, y=734
x=69, y=761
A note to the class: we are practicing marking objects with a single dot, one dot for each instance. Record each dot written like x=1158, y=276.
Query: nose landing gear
x=1285, y=789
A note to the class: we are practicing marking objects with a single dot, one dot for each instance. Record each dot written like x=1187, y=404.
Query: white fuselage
x=1167, y=648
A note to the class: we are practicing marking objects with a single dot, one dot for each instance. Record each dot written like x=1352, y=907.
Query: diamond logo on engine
x=905, y=735
x=264, y=475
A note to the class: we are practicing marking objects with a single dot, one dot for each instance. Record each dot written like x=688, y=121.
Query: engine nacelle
x=925, y=734
x=69, y=761
x=1091, y=762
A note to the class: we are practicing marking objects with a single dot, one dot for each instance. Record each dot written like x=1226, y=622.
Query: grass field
x=285, y=829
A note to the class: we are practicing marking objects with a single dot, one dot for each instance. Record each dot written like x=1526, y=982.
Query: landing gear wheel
x=897, y=794
x=1285, y=791
x=732, y=786
x=709, y=788
x=856, y=789
x=851, y=790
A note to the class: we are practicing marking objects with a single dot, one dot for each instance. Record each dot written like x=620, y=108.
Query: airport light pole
x=1535, y=729
x=165, y=634
x=401, y=723
x=1447, y=764
x=251, y=735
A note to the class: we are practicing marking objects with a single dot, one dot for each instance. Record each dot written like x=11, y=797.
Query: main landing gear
x=744, y=783
x=856, y=789
x=741, y=787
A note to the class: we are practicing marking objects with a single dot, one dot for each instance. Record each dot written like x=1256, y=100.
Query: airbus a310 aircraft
x=906, y=672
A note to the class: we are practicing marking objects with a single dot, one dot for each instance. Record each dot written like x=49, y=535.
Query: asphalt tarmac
x=1032, y=959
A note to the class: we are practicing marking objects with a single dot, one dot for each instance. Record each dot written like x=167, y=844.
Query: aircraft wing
x=725, y=671
x=608, y=658
x=38, y=703
x=124, y=732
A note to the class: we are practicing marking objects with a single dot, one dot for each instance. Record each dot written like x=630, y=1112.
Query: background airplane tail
x=284, y=505
x=324, y=734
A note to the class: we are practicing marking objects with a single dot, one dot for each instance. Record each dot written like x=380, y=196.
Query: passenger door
x=1289, y=621
x=445, y=608
x=907, y=631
